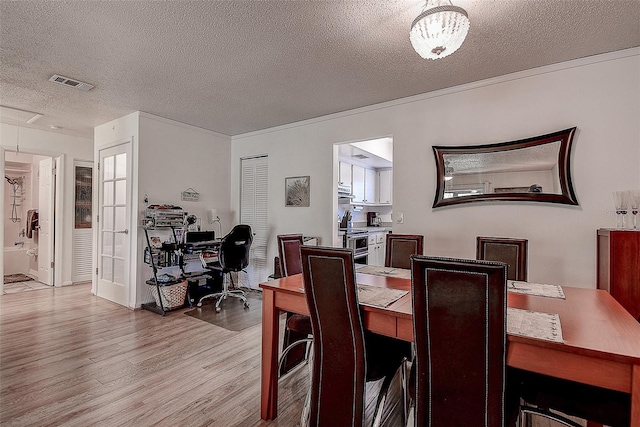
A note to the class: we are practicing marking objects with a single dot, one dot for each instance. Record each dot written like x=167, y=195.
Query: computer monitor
x=199, y=236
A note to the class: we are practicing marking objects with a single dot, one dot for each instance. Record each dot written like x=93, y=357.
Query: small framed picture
x=156, y=243
x=297, y=191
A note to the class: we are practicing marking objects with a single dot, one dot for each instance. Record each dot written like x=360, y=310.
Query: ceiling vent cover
x=70, y=82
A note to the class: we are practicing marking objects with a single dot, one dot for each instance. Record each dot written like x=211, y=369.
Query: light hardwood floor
x=68, y=358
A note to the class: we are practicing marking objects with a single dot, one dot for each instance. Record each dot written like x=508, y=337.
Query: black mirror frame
x=567, y=197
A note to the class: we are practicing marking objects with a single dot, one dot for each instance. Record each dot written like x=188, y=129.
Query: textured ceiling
x=240, y=66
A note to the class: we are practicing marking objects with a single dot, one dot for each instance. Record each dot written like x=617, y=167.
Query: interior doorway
x=29, y=221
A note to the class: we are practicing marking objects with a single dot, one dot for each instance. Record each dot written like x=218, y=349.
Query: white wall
x=168, y=157
x=190, y=158
x=600, y=95
x=53, y=144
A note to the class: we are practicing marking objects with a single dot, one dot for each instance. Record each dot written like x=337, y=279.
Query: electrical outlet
x=400, y=218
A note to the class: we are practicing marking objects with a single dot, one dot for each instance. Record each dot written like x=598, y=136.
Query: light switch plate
x=400, y=218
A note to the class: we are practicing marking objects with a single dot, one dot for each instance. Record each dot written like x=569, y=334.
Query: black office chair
x=344, y=356
x=234, y=257
x=459, y=376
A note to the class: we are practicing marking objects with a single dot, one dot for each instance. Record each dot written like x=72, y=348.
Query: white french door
x=114, y=237
x=254, y=212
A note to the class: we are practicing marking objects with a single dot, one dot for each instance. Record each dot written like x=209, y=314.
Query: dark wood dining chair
x=344, y=356
x=459, y=375
x=297, y=326
x=400, y=247
x=511, y=251
x=555, y=398
x=545, y=396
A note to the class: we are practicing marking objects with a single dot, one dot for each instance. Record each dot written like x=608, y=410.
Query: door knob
x=125, y=231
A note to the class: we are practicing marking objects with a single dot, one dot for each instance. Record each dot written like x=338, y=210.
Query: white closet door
x=254, y=212
x=82, y=228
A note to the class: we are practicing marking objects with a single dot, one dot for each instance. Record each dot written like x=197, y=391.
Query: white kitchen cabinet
x=372, y=248
x=344, y=174
x=364, y=186
x=357, y=184
x=377, y=246
x=385, y=187
x=370, y=186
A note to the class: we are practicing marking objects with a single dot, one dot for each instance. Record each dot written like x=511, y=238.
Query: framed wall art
x=297, y=191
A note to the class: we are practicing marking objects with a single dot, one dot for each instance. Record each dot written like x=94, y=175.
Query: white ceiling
x=375, y=153
x=240, y=66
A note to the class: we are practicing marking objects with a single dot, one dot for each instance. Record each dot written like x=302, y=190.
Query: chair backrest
x=399, y=249
x=459, y=328
x=513, y=252
x=338, y=371
x=234, y=248
x=289, y=254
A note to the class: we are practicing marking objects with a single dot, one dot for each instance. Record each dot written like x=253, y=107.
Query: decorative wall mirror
x=535, y=169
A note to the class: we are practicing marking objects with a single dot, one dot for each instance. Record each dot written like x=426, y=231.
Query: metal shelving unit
x=159, y=258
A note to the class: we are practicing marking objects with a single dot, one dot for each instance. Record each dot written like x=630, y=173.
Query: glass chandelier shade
x=439, y=30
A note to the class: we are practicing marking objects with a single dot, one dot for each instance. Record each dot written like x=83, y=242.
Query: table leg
x=270, y=335
x=635, y=396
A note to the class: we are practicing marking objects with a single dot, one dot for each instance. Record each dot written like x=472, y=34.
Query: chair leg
x=236, y=293
x=405, y=392
x=384, y=391
x=290, y=347
x=527, y=411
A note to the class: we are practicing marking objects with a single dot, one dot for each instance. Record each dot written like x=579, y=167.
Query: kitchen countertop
x=381, y=229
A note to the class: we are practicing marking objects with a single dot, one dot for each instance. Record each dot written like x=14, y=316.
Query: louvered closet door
x=254, y=212
x=82, y=231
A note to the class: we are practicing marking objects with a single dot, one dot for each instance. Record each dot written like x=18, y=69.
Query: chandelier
x=439, y=30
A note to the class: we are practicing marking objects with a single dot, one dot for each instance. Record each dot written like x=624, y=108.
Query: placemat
x=401, y=273
x=379, y=297
x=533, y=324
x=535, y=289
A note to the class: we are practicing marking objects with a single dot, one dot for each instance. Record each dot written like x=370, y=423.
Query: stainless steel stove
x=358, y=240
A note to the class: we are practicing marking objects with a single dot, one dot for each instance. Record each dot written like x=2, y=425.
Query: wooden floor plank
x=68, y=358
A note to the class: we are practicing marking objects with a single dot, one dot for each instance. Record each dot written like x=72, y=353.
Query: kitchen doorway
x=364, y=186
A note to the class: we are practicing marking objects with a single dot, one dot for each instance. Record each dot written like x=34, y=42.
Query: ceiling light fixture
x=439, y=30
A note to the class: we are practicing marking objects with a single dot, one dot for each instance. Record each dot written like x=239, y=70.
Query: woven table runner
x=535, y=289
x=400, y=273
x=379, y=297
x=532, y=324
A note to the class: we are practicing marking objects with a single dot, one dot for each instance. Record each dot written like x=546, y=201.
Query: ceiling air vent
x=70, y=82
x=360, y=156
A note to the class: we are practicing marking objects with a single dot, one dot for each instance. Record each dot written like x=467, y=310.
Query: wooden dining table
x=601, y=340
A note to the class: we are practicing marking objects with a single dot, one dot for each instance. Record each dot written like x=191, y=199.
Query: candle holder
x=620, y=199
x=634, y=202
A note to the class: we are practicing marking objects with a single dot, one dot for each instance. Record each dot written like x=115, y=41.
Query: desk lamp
x=213, y=218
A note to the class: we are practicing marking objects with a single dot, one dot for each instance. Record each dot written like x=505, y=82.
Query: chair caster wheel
x=218, y=309
x=199, y=304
